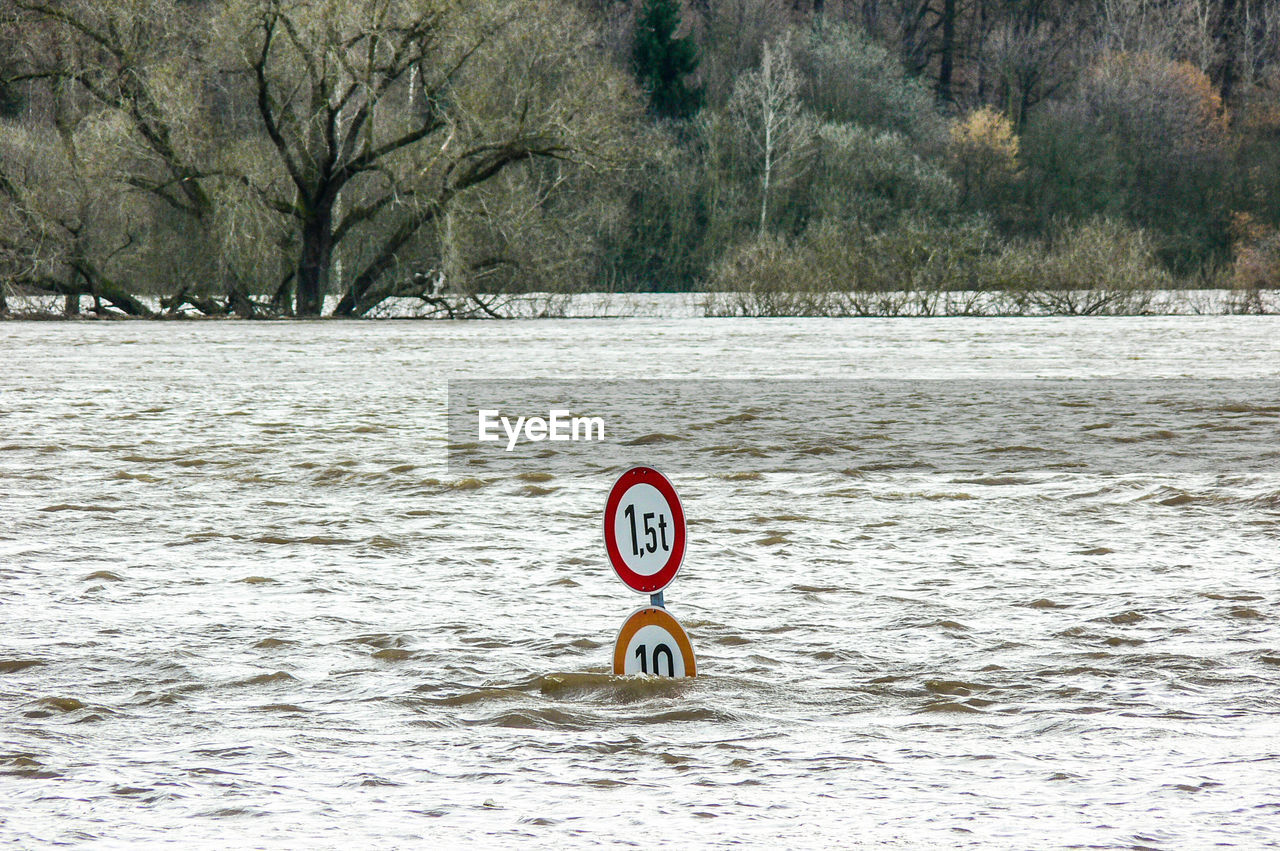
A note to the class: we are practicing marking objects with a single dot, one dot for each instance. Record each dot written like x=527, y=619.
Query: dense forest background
x=254, y=157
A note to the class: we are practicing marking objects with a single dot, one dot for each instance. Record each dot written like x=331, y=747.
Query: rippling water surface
x=244, y=602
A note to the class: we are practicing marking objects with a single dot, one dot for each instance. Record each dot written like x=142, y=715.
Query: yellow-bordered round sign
x=653, y=642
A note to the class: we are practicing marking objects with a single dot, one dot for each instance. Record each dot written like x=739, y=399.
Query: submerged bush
x=1100, y=267
x=769, y=277
x=1256, y=266
x=1257, y=254
x=917, y=267
x=923, y=268
x=909, y=268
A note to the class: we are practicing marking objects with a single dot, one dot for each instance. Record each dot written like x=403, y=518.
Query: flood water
x=1029, y=599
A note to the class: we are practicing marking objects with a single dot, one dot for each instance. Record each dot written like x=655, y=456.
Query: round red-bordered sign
x=644, y=531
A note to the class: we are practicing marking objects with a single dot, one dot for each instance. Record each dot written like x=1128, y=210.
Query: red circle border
x=655, y=582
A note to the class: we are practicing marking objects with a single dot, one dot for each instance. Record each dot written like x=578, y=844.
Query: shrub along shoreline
x=757, y=302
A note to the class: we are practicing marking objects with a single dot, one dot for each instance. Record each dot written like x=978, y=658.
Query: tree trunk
x=346, y=304
x=112, y=292
x=947, y=60
x=980, y=49
x=238, y=301
x=316, y=263
x=1227, y=35
x=282, y=298
x=767, y=177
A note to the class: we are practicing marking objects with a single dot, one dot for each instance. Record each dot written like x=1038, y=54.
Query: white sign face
x=653, y=642
x=653, y=650
x=644, y=529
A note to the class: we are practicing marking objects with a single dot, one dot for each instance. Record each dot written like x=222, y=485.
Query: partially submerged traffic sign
x=644, y=531
x=653, y=642
x=644, y=534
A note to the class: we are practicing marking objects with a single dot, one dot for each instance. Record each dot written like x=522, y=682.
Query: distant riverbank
x=851, y=303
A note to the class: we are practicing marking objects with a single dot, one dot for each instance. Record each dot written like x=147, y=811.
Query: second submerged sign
x=653, y=642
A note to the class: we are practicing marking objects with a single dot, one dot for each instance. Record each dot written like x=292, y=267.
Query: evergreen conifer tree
x=662, y=60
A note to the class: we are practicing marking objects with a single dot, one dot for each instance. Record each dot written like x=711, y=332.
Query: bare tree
x=1034, y=52
x=380, y=113
x=1261, y=24
x=97, y=126
x=334, y=133
x=766, y=108
x=848, y=78
x=136, y=58
x=64, y=229
x=731, y=34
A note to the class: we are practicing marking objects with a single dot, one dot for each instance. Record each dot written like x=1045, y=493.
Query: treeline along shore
x=266, y=158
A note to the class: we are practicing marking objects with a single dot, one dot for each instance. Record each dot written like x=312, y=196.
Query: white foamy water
x=243, y=603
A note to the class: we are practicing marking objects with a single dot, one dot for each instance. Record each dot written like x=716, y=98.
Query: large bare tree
x=312, y=147
x=105, y=153
x=381, y=113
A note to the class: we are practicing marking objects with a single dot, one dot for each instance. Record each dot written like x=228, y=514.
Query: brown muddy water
x=1026, y=596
